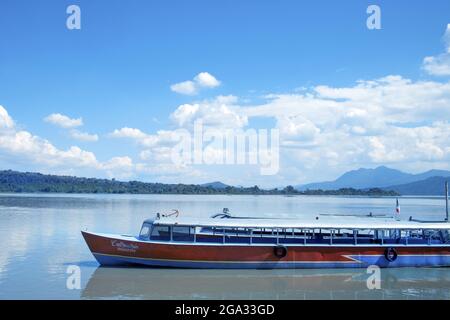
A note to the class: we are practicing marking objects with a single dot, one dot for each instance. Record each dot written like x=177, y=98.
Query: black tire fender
x=280, y=251
x=390, y=254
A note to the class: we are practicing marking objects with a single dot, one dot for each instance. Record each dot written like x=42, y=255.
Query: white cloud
x=391, y=120
x=324, y=130
x=297, y=128
x=83, y=136
x=128, y=133
x=146, y=140
x=63, y=121
x=158, y=154
x=391, y=99
x=439, y=65
x=185, y=87
x=185, y=113
x=204, y=79
x=220, y=112
x=5, y=120
x=22, y=146
x=118, y=163
x=192, y=87
x=27, y=146
x=419, y=144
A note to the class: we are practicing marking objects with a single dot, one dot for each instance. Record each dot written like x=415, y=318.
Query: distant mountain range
x=433, y=186
x=427, y=183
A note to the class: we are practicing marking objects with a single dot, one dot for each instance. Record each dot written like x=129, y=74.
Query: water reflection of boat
x=143, y=283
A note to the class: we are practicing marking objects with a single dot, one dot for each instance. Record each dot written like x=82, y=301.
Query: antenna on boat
x=446, y=201
x=175, y=213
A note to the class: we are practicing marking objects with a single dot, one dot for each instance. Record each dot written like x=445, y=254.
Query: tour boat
x=227, y=242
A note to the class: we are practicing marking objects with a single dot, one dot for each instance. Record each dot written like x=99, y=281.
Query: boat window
x=344, y=234
x=379, y=234
x=160, y=233
x=183, y=233
x=445, y=236
x=415, y=234
x=145, y=231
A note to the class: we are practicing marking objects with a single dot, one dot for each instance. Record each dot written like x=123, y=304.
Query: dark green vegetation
x=13, y=181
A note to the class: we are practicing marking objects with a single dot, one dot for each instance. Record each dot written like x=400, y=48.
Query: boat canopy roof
x=362, y=223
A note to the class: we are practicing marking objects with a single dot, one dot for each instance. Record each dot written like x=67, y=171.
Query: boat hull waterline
x=112, y=250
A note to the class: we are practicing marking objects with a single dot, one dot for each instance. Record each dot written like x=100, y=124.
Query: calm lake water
x=40, y=238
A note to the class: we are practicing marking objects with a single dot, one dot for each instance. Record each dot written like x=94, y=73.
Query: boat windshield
x=145, y=231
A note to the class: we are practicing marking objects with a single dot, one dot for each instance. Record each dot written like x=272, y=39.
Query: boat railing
x=242, y=235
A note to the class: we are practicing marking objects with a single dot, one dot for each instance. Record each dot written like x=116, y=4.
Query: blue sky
x=117, y=72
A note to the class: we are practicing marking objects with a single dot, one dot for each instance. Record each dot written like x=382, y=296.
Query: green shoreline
x=30, y=182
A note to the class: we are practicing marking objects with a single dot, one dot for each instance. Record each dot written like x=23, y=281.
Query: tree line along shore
x=28, y=182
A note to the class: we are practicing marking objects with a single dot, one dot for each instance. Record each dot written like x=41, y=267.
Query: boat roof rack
x=305, y=223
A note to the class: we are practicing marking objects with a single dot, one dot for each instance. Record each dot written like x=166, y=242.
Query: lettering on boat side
x=244, y=309
x=122, y=246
